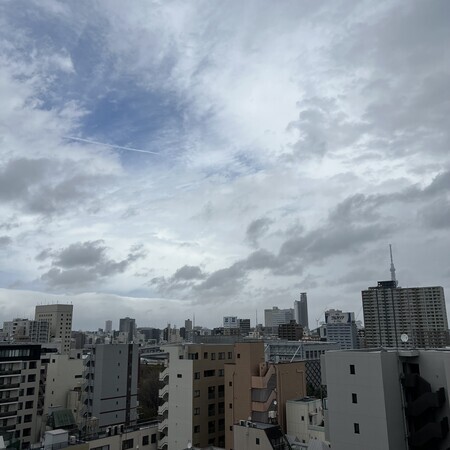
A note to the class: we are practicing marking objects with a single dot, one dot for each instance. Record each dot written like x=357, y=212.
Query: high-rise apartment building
x=193, y=402
x=128, y=325
x=387, y=399
x=59, y=317
x=341, y=328
x=408, y=317
x=110, y=385
x=301, y=310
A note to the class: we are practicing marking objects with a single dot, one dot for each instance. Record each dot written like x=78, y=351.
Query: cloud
x=83, y=263
x=46, y=186
x=5, y=241
x=256, y=229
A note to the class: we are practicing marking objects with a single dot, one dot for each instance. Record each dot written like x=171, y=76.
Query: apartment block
x=20, y=369
x=110, y=385
x=258, y=391
x=59, y=318
x=291, y=331
x=387, y=399
x=418, y=313
x=276, y=316
x=193, y=396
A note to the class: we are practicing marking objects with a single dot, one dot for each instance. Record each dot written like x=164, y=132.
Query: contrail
x=88, y=141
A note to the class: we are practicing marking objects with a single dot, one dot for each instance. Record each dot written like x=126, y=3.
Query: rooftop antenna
x=392, y=269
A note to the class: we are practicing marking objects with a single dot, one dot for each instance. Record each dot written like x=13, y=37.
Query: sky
x=165, y=159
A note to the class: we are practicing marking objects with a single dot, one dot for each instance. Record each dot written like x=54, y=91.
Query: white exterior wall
x=378, y=410
x=180, y=400
x=303, y=419
x=63, y=374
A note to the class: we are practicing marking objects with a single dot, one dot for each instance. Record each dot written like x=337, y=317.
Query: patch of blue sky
x=130, y=116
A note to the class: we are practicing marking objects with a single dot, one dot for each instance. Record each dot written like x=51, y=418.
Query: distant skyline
x=165, y=159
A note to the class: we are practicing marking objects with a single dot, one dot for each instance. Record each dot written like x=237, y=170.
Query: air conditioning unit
x=242, y=423
x=248, y=423
x=272, y=414
x=72, y=440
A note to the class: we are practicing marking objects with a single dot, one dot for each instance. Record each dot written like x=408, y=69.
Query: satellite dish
x=404, y=337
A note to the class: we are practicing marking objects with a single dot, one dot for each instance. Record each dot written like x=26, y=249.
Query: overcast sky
x=263, y=149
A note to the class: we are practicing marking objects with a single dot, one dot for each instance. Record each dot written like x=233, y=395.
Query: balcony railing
x=9, y=400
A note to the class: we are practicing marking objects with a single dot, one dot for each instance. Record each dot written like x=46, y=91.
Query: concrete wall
x=378, y=410
x=63, y=374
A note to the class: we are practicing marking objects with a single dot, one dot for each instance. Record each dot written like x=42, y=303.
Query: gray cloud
x=5, y=241
x=45, y=186
x=82, y=263
x=188, y=273
x=436, y=215
x=256, y=229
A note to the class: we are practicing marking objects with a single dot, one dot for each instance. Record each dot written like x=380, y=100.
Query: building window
x=352, y=369
x=211, y=409
x=205, y=355
x=129, y=443
x=26, y=432
x=197, y=376
x=221, y=372
x=211, y=427
x=197, y=393
x=303, y=418
x=29, y=404
x=179, y=375
x=238, y=355
x=209, y=373
x=196, y=428
x=213, y=356
x=230, y=355
x=354, y=398
x=356, y=428
x=230, y=405
x=145, y=440
x=153, y=438
x=196, y=411
x=30, y=391
x=257, y=441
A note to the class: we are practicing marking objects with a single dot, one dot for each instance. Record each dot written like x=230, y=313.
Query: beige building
x=258, y=391
x=59, y=318
x=64, y=374
x=193, y=396
x=305, y=420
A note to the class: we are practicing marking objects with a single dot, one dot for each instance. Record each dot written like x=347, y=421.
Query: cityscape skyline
x=165, y=159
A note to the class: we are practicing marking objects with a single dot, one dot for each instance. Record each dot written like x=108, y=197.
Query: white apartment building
x=59, y=317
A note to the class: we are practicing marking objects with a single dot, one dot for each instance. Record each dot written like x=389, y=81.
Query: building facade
x=20, y=375
x=59, y=318
x=258, y=390
x=110, y=385
x=301, y=310
x=193, y=396
x=387, y=399
x=128, y=325
x=275, y=316
x=291, y=331
x=341, y=328
x=419, y=314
